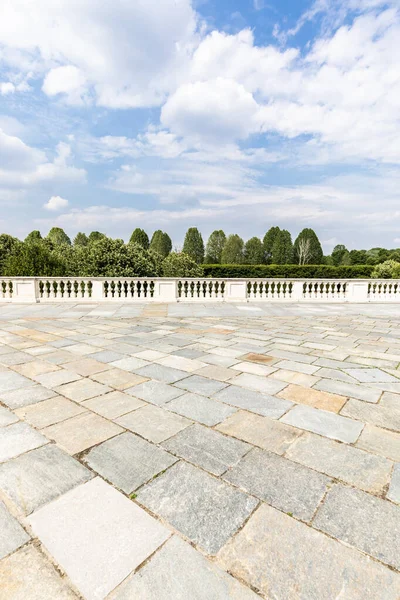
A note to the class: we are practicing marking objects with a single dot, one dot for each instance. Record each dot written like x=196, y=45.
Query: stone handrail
x=186, y=289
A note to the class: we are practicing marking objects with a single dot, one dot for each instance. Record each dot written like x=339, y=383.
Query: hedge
x=291, y=271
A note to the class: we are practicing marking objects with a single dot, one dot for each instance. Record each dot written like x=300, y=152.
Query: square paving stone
x=324, y=423
x=206, y=448
x=26, y=396
x=382, y=416
x=350, y=390
x=280, y=482
x=113, y=404
x=380, y=441
x=160, y=373
x=180, y=362
x=129, y=364
x=155, y=392
x=96, y=526
x=87, y=366
x=153, y=423
x=296, y=378
x=106, y=356
x=10, y=381
x=253, y=368
x=310, y=397
x=356, y=467
x=296, y=367
x=35, y=367
x=198, y=578
x=12, y=535
x=118, y=379
x=57, y=378
x=18, y=438
x=49, y=412
x=288, y=560
x=201, y=409
x=81, y=432
x=364, y=521
x=39, y=476
x=262, y=404
x=390, y=400
x=221, y=361
x=28, y=575
x=216, y=372
x=7, y=417
x=128, y=462
x=394, y=488
x=201, y=385
x=82, y=390
x=206, y=510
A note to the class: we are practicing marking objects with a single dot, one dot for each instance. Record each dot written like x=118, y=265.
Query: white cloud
x=56, y=203
x=67, y=80
x=6, y=87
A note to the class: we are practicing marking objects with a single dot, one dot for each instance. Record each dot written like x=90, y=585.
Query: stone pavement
x=175, y=452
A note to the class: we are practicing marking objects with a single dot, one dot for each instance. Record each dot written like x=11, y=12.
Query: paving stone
x=129, y=364
x=13, y=381
x=381, y=416
x=113, y=405
x=87, y=366
x=292, y=356
x=179, y=362
x=7, y=417
x=220, y=361
x=82, y=390
x=35, y=367
x=324, y=423
x=18, y=438
x=198, y=578
x=380, y=441
x=363, y=521
x=298, y=367
x=57, y=378
x=356, y=467
x=155, y=392
x=26, y=396
x=15, y=358
x=208, y=518
x=201, y=385
x=253, y=368
x=286, y=559
x=26, y=574
x=312, y=397
x=153, y=423
x=293, y=377
x=49, y=412
x=371, y=375
x=201, y=409
x=149, y=355
x=259, y=384
x=96, y=526
x=160, y=373
x=39, y=476
x=106, y=356
x=118, y=379
x=335, y=374
x=216, y=372
x=394, y=488
x=256, y=402
x=81, y=432
x=262, y=359
x=279, y=482
x=390, y=400
x=206, y=448
x=347, y=389
x=260, y=431
x=12, y=535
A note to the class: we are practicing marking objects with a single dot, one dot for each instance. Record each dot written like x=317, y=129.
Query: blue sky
x=233, y=114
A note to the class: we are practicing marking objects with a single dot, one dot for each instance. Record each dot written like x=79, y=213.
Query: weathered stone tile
x=363, y=521
x=208, y=518
x=296, y=378
x=96, y=526
x=390, y=400
x=279, y=482
x=106, y=356
x=149, y=355
x=394, y=488
x=286, y=559
x=253, y=368
x=312, y=397
x=335, y=374
x=189, y=353
x=262, y=359
x=160, y=373
x=259, y=384
x=198, y=578
x=216, y=372
x=10, y=381
x=7, y=417
x=381, y=416
x=127, y=461
x=49, y=412
x=361, y=392
x=298, y=367
x=39, y=476
x=292, y=356
x=324, y=423
x=81, y=432
x=201, y=409
x=256, y=402
x=35, y=367
x=26, y=396
x=201, y=385
x=57, y=378
x=155, y=392
x=179, y=362
x=220, y=361
x=113, y=404
x=129, y=364
x=87, y=366
x=12, y=535
x=18, y=438
x=153, y=423
x=82, y=390
x=15, y=358
x=351, y=465
x=380, y=441
x=371, y=375
x=118, y=379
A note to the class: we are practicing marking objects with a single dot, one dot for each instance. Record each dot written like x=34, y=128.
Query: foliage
x=34, y=236
x=358, y=257
x=96, y=236
x=307, y=249
x=291, y=271
x=387, y=270
x=268, y=242
x=113, y=258
x=8, y=244
x=282, y=249
x=215, y=245
x=33, y=259
x=180, y=265
x=140, y=237
x=193, y=245
x=232, y=252
x=58, y=236
x=161, y=243
x=253, y=252
x=81, y=239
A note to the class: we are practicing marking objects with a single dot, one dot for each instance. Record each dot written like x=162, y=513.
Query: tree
x=268, y=242
x=338, y=253
x=253, y=252
x=58, y=236
x=193, y=245
x=81, y=239
x=96, y=236
x=33, y=259
x=8, y=244
x=113, y=258
x=304, y=251
x=315, y=254
x=386, y=270
x=282, y=250
x=34, y=236
x=139, y=236
x=358, y=257
x=215, y=245
x=181, y=265
x=161, y=243
x=232, y=254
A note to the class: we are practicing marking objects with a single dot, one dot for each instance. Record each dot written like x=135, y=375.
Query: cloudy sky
x=232, y=114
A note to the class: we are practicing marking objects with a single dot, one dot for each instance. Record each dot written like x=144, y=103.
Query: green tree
x=232, y=254
x=139, y=236
x=113, y=258
x=34, y=236
x=8, y=244
x=338, y=253
x=215, y=245
x=96, y=236
x=282, y=250
x=57, y=236
x=307, y=249
x=181, y=265
x=81, y=239
x=161, y=243
x=358, y=257
x=33, y=259
x=193, y=245
x=268, y=242
x=253, y=252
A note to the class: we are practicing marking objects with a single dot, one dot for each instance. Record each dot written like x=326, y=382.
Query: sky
x=222, y=114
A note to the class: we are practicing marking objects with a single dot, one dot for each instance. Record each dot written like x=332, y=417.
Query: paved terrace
x=191, y=452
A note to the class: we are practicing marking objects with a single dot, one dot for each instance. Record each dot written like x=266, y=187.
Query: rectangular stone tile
x=118, y=379
x=253, y=368
x=12, y=535
x=292, y=356
x=87, y=366
x=179, y=362
x=260, y=431
x=351, y=465
x=35, y=367
x=155, y=392
x=258, y=384
x=10, y=381
x=26, y=396
x=296, y=378
x=153, y=423
x=262, y=359
x=18, y=438
x=15, y=358
x=324, y=423
x=394, y=488
x=7, y=417
x=220, y=361
x=82, y=390
x=215, y=372
x=39, y=476
x=312, y=397
x=371, y=375
x=261, y=404
x=57, y=378
x=81, y=432
x=285, y=559
x=49, y=412
x=96, y=526
x=201, y=409
x=389, y=418
x=201, y=385
x=335, y=374
x=113, y=404
x=80, y=349
x=390, y=400
x=106, y=356
x=347, y=389
x=160, y=373
x=129, y=364
x=298, y=367
x=380, y=441
x=208, y=518
x=149, y=355
x=363, y=521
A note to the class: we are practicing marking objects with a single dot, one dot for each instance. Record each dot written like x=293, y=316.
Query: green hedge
x=292, y=271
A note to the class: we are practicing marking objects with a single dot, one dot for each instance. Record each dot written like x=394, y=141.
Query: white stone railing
x=157, y=289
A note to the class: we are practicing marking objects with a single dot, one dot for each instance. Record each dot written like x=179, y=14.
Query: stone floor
x=199, y=452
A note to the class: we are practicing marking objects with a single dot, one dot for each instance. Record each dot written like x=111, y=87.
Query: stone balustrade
x=157, y=289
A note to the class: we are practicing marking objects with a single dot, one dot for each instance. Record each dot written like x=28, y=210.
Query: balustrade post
x=236, y=290
x=97, y=290
x=297, y=290
x=358, y=290
x=166, y=290
x=25, y=290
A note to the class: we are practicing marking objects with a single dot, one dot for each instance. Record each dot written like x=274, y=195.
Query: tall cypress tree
x=282, y=250
x=215, y=245
x=232, y=254
x=193, y=245
x=253, y=252
x=268, y=242
x=161, y=243
x=139, y=236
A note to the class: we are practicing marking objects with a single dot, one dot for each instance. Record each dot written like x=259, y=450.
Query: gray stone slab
x=287, y=560
x=258, y=383
x=280, y=482
x=390, y=400
x=26, y=396
x=113, y=405
x=360, y=392
x=324, y=423
x=128, y=461
x=10, y=381
x=107, y=356
x=196, y=578
x=201, y=385
x=262, y=404
x=161, y=373
x=335, y=374
x=155, y=392
x=18, y=438
x=204, y=509
x=363, y=521
x=380, y=441
x=96, y=526
x=394, y=488
x=371, y=376
x=381, y=416
x=206, y=448
x=219, y=361
x=12, y=535
x=39, y=476
x=153, y=423
x=7, y=417
x=201, y=409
